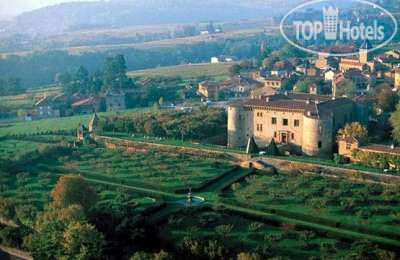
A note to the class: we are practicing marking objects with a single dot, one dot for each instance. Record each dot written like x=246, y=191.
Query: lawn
x=159, y=171
x=314, y=198
x=53, y=124
x=245, y=235
x=188, y=71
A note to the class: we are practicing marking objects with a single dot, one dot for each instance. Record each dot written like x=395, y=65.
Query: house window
x=319, y=144
x=273, y=121
x=348, y=146
x=292, y=136
x=285, y=121
x=275, y=134
x=259, y=127
x=296, y=123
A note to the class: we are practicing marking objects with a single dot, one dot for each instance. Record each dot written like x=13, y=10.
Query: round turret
x=317, y=136
x=236, y=133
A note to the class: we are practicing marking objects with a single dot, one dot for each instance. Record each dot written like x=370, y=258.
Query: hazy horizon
x=10, y=9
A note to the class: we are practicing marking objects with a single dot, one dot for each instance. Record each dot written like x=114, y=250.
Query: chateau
x=300, y=123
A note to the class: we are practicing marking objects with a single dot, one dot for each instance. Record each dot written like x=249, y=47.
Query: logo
x=331, y=22
x=317, y=25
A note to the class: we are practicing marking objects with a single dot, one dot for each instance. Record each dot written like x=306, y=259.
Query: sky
x=10, y=8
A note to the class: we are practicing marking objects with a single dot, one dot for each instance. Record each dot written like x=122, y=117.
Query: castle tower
x=364, y=48
x=236, y=126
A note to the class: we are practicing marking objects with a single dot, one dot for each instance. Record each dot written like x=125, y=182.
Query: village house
x=239, y=86
x=363, y=81
x=115, y=100
x=299, y=123
x=274, y=82
x=47, y=107
x=208, y=89
x=86, y=105
x=348, y=147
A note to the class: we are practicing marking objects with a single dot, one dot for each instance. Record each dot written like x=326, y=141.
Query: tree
x=7, y=209
x=387, y=99
x=272, y=149
x=82, y=241
x=395, y=122
x=354, y=129
x=64, y=233
x=114, y=74
x=234, y=69
x=81, y=80
x=73, y=189
x=346, y=88
x=302, y=86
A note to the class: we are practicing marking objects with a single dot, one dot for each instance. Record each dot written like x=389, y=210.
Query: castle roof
x=312, y=105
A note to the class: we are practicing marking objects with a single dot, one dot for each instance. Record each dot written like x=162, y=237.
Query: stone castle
x=301, y=123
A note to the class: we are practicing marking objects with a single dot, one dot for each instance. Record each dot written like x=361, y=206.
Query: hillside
x=118, y=13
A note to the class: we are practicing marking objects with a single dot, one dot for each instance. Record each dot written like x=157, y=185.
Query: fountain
x=191, y=200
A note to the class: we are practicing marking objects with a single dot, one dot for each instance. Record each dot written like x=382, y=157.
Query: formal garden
x=205, y=232
x=332, y=201
x=152, y=169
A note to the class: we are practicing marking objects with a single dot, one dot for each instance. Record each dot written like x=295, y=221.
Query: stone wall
x=137, y=146
x=301, y=167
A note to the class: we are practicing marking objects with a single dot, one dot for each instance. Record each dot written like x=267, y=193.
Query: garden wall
x=301, y=167
x=137, y=146
x=13, y=253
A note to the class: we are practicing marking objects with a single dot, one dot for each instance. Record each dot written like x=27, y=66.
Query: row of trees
x=10, y=86
x=111, y=76
x=178, y=125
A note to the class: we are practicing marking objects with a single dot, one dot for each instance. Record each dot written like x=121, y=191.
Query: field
x=245, y=235
x=52, y=124
x=155, y=170
x=188, y=71
x=321, y=199
x=27, y=100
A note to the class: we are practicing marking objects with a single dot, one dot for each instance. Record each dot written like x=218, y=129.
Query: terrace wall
x=302, y=167
x=137, y=146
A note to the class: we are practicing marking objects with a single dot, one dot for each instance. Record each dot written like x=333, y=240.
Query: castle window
x=292, y=136
x=296, y=123
x=273, y=121
x=285, y=121
x=319, y=144
x=275, y=134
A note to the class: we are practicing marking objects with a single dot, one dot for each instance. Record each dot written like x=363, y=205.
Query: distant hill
x=77, y=16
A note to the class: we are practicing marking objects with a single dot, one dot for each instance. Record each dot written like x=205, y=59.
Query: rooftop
x=313, y=105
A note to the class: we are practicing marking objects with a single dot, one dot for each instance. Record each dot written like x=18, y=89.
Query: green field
x=53, y=124
x=314, y=197
x=189, y=71
x=159, y=171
